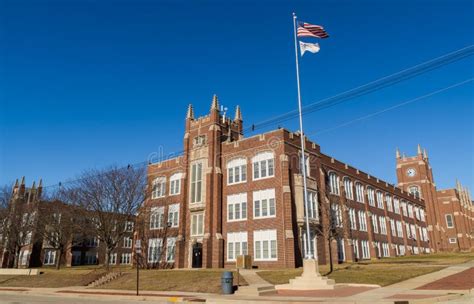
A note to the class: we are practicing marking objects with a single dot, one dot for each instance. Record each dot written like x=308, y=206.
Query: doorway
x=197, y=255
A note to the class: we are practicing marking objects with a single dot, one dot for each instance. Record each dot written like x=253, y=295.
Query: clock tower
x=414, y=175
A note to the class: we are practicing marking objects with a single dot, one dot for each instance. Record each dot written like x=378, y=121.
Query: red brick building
x=227, y=195
x=34, y=249
x=450, y=212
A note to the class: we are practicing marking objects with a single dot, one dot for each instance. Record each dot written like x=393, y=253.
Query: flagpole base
x=309, y=280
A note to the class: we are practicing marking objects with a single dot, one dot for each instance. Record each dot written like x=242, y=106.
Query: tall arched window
x=263, y=165
x=348, y=188
x=415, y=190
x=159, y=187
x=333, y=183
x=175, y=183
x=236, y=171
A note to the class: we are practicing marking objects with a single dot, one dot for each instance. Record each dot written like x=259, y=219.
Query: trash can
x=227, y=282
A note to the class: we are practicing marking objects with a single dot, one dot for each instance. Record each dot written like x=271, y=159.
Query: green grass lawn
x=199, y=280
x=381, y=272
x=50, y=277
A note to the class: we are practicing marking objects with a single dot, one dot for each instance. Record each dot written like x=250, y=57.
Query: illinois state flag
x=310, y=47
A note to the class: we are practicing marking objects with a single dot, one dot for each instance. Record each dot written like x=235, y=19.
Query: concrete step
x=254, y=290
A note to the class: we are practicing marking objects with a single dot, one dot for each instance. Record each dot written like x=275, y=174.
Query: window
x=92, y=242
x=449, y=221
x=402, y=249
x=265, y=245
x=404, y=208
x=379, y=200
x=425, y=234
x=199, y=141
x=399, y=229
x=175, y=183
x=126, y=258
x=396, y=205
x=49, y=257
x=365, y=249
x=173, y=215
x=264, y=203
x=312, y=205
x=237, y=207
x=392, y=227
x=154, y=250
x=352, y=218
x=91, y=258
x=422, y=215
x=407, y=230
x=127, y=242
x=375, y=225
x=371, y=196
x=362, y=221
x=416, y=210
x=359, y=193
x=197, y=224
x=156, y=217
x=383, y=225
x=413, y=231
x=336, y=215
x=196, y=183
x=236, y=245
x=113, y=258
x=356, y=248
x=237, y=171
x=170, y=249
x=410, y=210
x=385, y=250
x=128, y=226
x=159, y=187
x=348, y=188
x=415, y=191
x=333, y=183
x=388, y=200
x=263, y=165
x=306, y=165
x=452, y=240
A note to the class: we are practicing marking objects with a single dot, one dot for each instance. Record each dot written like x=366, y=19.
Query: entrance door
x=341, y=255
x=197, y=255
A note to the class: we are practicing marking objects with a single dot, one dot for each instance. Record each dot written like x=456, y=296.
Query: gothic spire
x=215, y=103
x=238, y=114
x=397, y=154
x=190, y=114
x=425, y=154
x=419, y=149
x=23, y=181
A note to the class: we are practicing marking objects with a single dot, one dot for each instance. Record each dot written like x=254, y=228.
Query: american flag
x=311, y=30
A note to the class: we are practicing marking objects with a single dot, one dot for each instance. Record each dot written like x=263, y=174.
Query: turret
x=190, y=113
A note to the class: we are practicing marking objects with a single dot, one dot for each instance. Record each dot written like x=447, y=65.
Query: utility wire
x=322, y=104
x=391, y=108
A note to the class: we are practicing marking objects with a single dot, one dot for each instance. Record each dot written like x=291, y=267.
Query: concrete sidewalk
x=403, y=291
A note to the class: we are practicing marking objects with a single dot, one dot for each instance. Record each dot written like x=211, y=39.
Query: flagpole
x=308, y=253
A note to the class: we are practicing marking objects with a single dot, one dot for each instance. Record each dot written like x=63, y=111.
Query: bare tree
x=151, y=225
x=110, y=199
x=57, y=227
x=331, y=210
x=19, y=220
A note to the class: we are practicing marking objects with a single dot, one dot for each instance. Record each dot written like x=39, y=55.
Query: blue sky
x=87, y=84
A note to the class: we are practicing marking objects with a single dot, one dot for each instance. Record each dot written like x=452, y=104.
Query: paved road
x=11, y=298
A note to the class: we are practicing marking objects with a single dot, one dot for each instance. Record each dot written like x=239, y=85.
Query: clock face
x=411, y=172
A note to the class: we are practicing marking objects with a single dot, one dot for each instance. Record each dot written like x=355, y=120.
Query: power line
x=372, y=86
x=365, y=89
x=391, y=108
